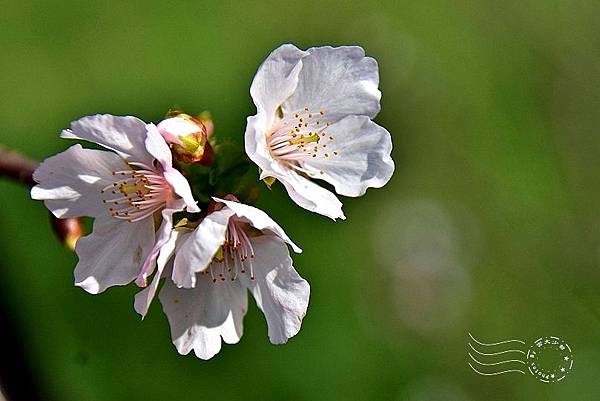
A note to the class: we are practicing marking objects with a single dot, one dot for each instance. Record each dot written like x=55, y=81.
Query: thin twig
x=16, y=166
x=19, y=168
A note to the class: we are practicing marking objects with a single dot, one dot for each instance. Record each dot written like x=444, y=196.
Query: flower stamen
x=233, y=256
x=140, y=193
x=297, y=137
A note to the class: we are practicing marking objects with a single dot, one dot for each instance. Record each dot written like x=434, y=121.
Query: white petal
x=70, y=182
x=274, y=82
x=279, y=291
x=259, y=220
x=276, y=78
x=144, y=298
x=363, y=157
x=309, y=195
x=339, y=81
x=124, y=135
x=201, y=316
x=182, y=188
x=163, y=234
x=198, y=249
x=255, y=142
x=158, y=148
x=113, y=253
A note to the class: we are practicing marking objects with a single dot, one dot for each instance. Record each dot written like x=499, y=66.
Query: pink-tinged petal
x=113, y=253
x=309, y=195
x=201, y=316
x=198, y=250
x=70, y=182
x=182, y=188
x=278, y=289
x=172, y=128
x=144, y=298
x=259, y=220
x=124, y=135
x=158, y=148
x=339, y=81
x=162, y=237
x=361, y=160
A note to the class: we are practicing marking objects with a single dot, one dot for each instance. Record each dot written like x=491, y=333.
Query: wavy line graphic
x=495, y=373
x=495, y=363
x=495, y=353
x=498, y=343
x=489, y=365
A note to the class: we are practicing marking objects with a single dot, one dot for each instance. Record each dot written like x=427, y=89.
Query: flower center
x=136, y=194
x=235, y=255
x=299, y=137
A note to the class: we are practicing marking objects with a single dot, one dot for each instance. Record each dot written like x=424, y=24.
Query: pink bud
x=188, y=139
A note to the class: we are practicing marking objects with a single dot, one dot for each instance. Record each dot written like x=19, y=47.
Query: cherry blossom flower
x=314, y=111
x=124, y=189
x=233, y=249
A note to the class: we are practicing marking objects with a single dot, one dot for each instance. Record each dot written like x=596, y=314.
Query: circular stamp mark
x=549, y=359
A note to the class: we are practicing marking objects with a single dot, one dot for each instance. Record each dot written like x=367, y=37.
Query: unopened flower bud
x=188, y=139
x=207, y=120
x=68, y=230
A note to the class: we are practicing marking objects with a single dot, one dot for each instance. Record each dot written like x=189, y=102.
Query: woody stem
x=16, y=166
x=20, y=169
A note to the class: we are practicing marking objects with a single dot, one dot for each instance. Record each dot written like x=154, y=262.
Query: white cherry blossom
x=234, y=249
x=123, y=188
x=313, y=121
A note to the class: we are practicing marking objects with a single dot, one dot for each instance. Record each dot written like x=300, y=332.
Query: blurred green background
x=490, y=224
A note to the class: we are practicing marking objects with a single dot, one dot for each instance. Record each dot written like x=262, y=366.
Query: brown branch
x=19, y=168
x=16, y=166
